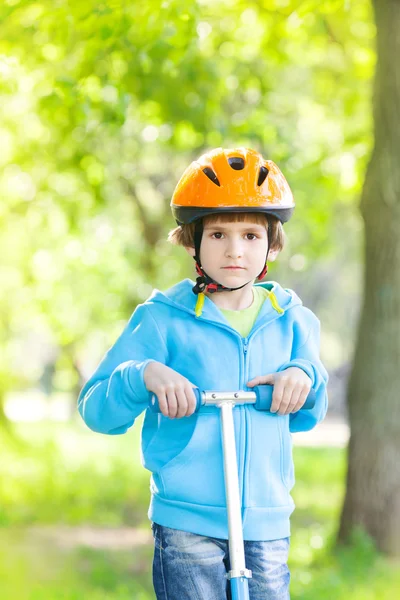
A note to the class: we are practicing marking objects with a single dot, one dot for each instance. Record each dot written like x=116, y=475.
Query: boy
x=222, y=334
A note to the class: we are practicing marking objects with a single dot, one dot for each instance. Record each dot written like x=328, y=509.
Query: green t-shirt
x=243, y=320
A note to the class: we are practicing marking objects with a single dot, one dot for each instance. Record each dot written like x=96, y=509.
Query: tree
x=372, y=498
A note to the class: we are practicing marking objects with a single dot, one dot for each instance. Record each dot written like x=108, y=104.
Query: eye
x=217, y=235
x=251, y=236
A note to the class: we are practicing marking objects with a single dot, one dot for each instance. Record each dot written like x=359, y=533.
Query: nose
x=234, y=248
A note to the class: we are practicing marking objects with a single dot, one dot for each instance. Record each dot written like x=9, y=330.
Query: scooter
x=261, y=398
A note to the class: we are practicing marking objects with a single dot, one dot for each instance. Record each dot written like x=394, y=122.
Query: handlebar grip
x=155, y=407
x=264, y=398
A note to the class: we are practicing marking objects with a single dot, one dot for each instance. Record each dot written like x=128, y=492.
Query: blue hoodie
x=185, y=455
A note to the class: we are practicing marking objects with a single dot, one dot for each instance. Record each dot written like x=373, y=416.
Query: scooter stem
x=238, y=573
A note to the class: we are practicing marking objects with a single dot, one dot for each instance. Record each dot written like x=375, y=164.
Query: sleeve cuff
x=303, y=364
x=136, y=380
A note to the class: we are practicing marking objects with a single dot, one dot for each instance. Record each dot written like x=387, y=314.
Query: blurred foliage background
x=103, y=106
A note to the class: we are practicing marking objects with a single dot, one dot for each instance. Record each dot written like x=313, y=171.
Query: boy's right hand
x=174, y=392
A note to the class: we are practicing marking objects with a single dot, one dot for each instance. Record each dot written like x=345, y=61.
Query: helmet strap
x=265, y=269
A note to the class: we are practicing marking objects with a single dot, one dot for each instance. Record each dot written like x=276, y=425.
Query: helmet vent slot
x=262, y=176
x=236, y=162
x=211, y=175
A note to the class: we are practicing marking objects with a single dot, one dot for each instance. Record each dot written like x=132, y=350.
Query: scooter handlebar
x=155, y=407
x=263, y=399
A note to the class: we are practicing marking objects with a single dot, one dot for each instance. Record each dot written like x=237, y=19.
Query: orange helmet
x=237, y=180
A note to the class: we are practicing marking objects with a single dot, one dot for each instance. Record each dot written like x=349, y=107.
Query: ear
x=272, y=255
x=190, y=251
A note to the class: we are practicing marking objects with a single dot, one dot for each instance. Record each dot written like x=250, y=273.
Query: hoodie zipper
x=242, y=454
x=244, y=450
x=245, y=348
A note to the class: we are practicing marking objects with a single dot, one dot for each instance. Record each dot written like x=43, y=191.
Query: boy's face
x=234, y=253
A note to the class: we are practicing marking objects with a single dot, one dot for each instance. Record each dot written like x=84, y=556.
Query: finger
x=162, y=402
x=277, y=395
x=262, y=380
x=172, y=403
x=302, y=399
x=191, y=400
x=294, y=399
x=286, y=397
x=182, y=402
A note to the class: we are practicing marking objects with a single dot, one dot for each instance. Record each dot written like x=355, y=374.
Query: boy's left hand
x=291, y=388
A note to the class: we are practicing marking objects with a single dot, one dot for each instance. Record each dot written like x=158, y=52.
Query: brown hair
x=183, y=235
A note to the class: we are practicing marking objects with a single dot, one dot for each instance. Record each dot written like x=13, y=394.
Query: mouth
x=232, y=268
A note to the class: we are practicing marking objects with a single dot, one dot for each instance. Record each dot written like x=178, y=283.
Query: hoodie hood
x=182, y=297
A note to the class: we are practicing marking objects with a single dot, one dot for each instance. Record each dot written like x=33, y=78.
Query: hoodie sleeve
x=305, y=356
x=116, y=394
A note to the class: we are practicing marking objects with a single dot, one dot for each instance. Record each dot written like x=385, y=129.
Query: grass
x=63, y=474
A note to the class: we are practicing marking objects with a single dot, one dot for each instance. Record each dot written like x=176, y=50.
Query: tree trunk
x=372, y=498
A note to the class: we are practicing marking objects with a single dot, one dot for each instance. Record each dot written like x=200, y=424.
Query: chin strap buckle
x=200, y=286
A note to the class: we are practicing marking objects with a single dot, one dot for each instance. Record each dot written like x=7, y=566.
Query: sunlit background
x=103, y=105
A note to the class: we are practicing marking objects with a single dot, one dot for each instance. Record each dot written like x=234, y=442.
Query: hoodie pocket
x=268, y=461
x=196, y=474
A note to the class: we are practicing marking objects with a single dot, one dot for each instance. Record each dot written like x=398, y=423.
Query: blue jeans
x=187, y=566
